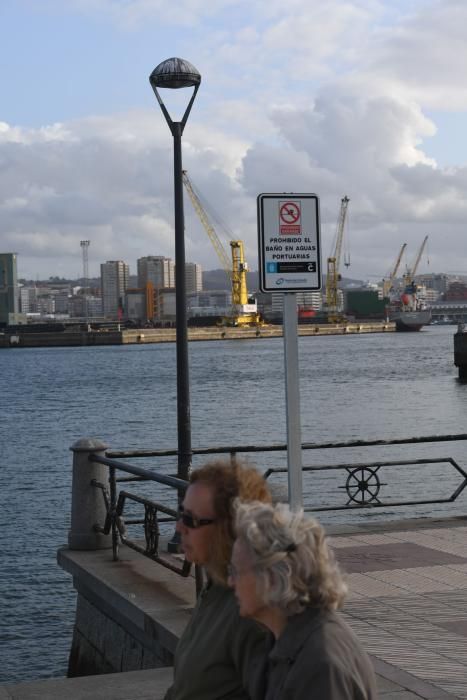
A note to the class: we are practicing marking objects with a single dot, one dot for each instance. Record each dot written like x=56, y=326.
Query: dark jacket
x=213, y=656
x=317, y=657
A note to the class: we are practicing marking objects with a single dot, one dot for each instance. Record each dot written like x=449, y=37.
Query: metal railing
x=115, y=505
x=363, y=488
x=363, y=484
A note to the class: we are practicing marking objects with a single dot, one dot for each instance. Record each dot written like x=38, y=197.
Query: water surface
x=368, y=386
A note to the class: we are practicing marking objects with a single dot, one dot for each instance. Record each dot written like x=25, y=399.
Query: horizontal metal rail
x=146, y=474
x=359, y=465
x=280, y=447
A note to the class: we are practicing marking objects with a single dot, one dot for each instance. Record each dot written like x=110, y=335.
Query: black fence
x=361, y=486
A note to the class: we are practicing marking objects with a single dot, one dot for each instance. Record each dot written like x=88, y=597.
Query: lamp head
x=175, y=73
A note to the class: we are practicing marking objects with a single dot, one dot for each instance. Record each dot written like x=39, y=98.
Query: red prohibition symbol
x=289, y=213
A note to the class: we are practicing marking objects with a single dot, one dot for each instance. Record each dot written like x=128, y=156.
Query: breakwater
x=73, y=338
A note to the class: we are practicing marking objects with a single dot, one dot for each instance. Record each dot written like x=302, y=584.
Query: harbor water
x=379, y=386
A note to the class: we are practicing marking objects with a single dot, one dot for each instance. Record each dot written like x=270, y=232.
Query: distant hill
x=217, y=279
x=212, y=279
x=348, y=282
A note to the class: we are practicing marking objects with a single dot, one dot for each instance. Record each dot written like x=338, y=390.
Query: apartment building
x=114, y=282
x=9, y=290
x=193, y=278
x=157, y=270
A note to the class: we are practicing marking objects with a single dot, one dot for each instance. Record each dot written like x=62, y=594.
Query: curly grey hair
x=293, y=564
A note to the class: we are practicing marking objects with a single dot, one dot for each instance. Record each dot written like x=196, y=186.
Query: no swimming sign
x=289, y=242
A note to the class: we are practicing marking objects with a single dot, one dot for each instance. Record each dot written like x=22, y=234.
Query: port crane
x=244, y=307
x=333, y=276
x=409, y=277
x=387, y=284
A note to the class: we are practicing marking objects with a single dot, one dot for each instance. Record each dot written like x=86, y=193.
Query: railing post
x=87, y=502
x=460, y=351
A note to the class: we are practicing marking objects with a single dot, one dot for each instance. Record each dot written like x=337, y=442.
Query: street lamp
x=177, y=73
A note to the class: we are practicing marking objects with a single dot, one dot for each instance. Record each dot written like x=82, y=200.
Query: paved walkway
x=407, y=603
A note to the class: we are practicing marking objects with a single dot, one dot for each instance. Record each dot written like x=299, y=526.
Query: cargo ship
x=408, y=312
x=410, y=320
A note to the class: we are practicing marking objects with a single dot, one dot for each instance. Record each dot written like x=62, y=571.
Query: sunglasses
x=192, y=521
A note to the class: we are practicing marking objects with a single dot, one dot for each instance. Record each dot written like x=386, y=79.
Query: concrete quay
x=135, y=685
x=142, y=336
x=407, y=602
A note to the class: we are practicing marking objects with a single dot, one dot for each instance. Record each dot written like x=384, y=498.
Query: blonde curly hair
x=293, y=564
x=228, y=481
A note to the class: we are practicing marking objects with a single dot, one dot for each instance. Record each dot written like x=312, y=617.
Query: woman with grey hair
x=286, y=578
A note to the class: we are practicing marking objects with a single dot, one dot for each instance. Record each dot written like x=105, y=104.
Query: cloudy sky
x=364, y=98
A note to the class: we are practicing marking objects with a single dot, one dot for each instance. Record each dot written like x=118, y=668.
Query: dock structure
x=407, y=602
x=142, y=336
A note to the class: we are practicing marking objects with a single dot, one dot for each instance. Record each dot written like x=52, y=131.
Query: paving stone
x=405, y=555
x=386, y=686
x=338, y=542
x=370, y=586
x=431, y=542
x=459, y=627
x=458, y=567
x=409, y=580
x=374, y=539
x=445, y=574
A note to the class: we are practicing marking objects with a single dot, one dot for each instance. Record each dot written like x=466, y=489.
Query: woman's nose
x=182, y=528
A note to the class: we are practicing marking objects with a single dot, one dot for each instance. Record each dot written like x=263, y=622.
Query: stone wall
x=129, y=614
x=102, y=645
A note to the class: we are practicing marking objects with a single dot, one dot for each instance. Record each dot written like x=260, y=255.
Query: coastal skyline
x=360, y=98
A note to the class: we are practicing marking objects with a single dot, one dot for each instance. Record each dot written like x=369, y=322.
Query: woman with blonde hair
x=214, y=654
x=285, y=577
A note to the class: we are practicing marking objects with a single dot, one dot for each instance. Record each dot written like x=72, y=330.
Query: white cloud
x=110, y=181
x=421, y=58
x=330, y=98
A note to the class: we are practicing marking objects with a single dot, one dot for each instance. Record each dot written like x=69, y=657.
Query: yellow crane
x=387, y=284
x=333, y=276
x=244, y=307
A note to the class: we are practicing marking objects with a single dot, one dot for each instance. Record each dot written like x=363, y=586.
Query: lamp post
x=177, y=73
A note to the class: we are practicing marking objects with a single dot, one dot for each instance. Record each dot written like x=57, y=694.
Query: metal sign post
x=290, y=261
x=292, y=401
